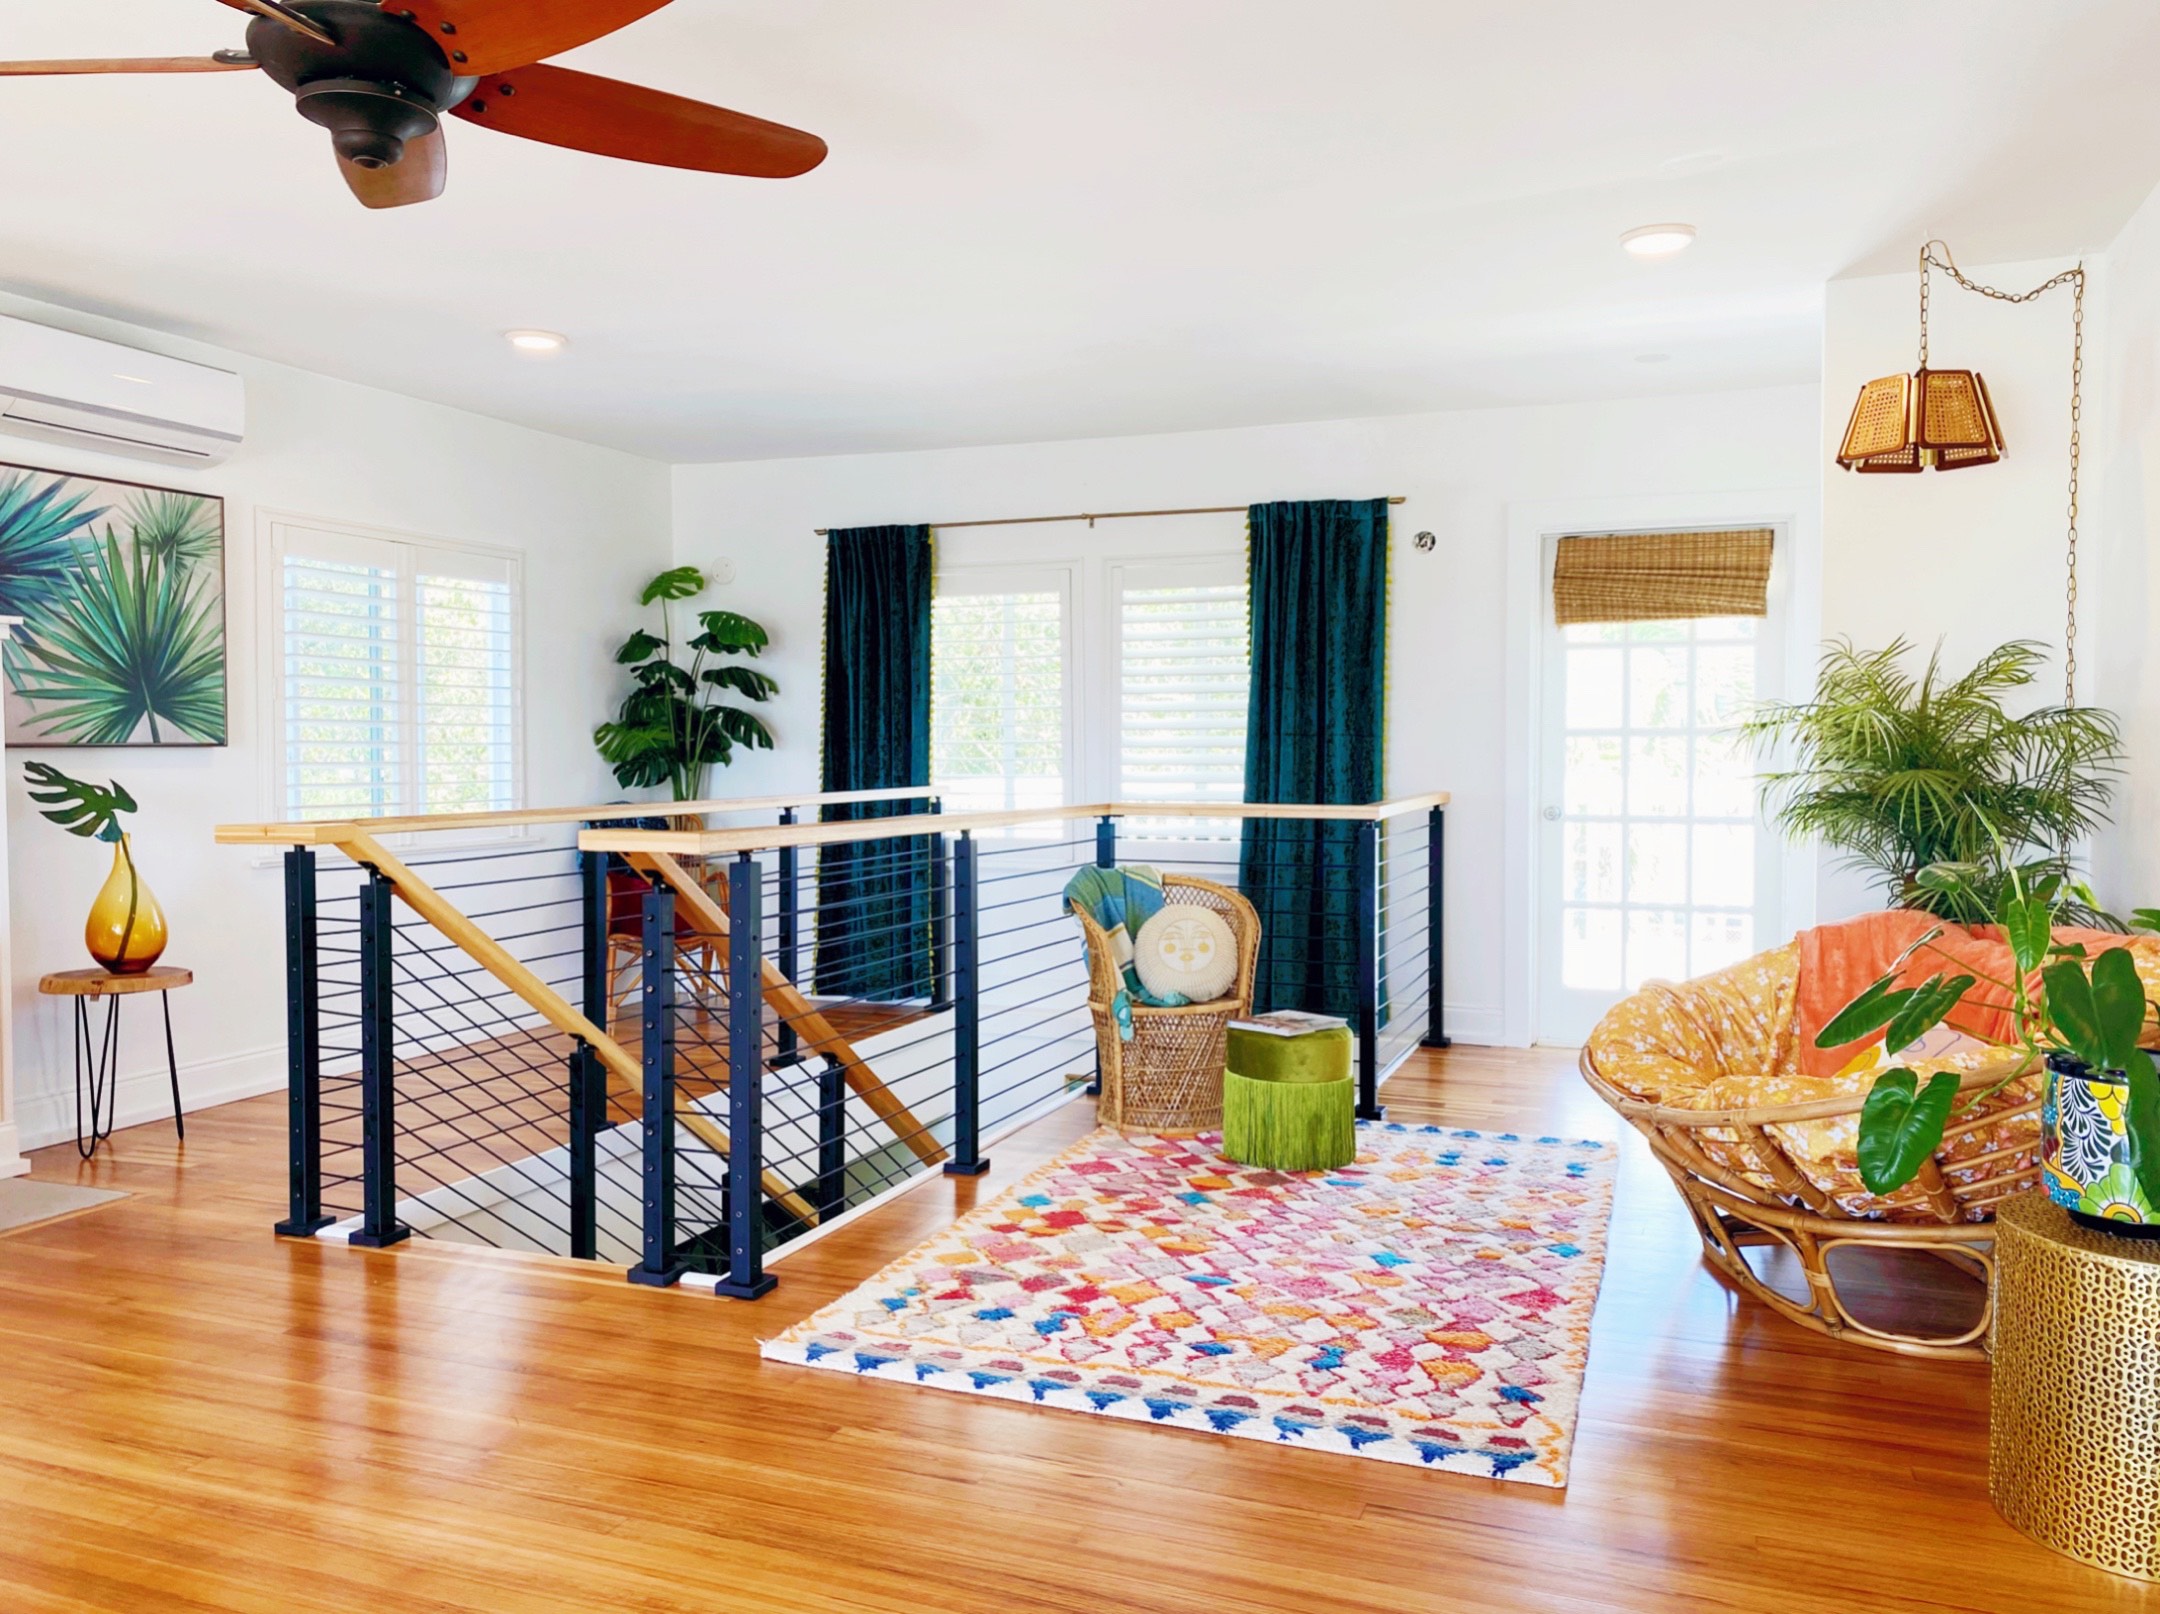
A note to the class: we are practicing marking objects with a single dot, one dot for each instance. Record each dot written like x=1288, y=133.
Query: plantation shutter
x=399, y=676
x=1184, y=671
x=1662, y=576
x=343, y=695
x=464, y=639
x=997, y=700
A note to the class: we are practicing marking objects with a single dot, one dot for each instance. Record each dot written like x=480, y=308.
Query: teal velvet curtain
x=1315, y=732
x=873, y=914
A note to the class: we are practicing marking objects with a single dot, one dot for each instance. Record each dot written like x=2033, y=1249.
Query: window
x=1184, y=666
x=998, y=692
x=1110, y=677
x=399, y=676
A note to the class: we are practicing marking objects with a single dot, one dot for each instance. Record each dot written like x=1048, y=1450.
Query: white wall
x=2123, y=445
x=1976, y=557
x=1461, y=473
x=593, y=525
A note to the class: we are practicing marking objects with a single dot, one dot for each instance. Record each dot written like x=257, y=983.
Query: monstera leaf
x=75, y=805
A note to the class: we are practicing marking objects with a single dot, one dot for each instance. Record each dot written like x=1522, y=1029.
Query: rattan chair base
x=1733, y=1215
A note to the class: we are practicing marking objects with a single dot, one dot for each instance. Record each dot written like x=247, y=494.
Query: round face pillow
x=1186, y=949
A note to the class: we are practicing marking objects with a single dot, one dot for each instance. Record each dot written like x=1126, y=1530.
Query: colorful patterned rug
x=1429, y=1304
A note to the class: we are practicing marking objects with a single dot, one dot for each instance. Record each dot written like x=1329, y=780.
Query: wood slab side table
x=97, y=1068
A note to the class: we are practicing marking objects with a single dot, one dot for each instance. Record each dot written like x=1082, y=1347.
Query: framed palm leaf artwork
x=121, y=591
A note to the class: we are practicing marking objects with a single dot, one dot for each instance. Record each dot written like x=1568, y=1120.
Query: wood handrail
x=549, y=1004
x=332, y=832
x=716, y=842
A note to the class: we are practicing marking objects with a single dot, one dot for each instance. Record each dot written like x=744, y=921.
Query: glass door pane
x=1654, y=857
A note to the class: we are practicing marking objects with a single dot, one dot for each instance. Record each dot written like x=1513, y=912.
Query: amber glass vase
x=126, y=932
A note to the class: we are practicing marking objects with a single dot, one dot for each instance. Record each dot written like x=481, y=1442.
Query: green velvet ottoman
x=1288, y=1102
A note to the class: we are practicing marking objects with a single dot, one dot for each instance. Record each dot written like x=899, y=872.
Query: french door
x=1655, y=862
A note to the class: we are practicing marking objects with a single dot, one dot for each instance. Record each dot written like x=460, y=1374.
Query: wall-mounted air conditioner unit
x=73, y=389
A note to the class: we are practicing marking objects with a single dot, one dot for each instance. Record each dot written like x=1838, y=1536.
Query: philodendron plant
x=2063, y=1004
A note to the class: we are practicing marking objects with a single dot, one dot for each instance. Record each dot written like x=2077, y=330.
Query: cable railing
x=682, y=1044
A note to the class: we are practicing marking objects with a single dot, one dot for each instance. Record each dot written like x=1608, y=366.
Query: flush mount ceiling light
x=1944, y=420
x=1658, y=240
x=536, y=341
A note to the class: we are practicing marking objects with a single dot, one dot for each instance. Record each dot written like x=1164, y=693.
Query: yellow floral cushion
x=1726, y=1041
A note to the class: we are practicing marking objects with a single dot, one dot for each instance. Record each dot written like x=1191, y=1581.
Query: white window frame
x=1794, y=515
x=974, y=581
x=1093, y=581
x=275, y=532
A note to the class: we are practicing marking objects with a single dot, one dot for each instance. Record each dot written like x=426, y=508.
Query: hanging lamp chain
x=2074, y=277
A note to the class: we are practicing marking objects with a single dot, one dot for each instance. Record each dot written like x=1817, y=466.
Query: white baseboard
x=146, y=1095
x=1477, y=1023
x=12, y=1164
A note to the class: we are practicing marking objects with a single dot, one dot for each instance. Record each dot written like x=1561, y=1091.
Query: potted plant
x=674, y=725
x=2077, y=1015
x=126, y=929
x=1906, y=774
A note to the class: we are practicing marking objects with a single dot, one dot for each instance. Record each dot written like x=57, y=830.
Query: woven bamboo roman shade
x=1662, y=576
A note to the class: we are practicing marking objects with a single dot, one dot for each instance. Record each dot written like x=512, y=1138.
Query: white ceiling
x=1046, y=220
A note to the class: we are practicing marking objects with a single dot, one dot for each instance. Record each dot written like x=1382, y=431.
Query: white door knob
x=1552, y=815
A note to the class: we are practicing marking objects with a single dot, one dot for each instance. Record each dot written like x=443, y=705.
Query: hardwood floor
x=199, y=1416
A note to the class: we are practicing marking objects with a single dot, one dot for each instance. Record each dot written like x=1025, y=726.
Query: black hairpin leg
x=97, y=1069
x=97, y=1072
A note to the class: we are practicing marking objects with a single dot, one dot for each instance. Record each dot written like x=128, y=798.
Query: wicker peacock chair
x=1169, y=1078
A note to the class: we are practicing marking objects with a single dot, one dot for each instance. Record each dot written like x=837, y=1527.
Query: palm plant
x=38, y=533
x=673, y=727
x=141, y=644
x=1931, y=785
x=179, y=529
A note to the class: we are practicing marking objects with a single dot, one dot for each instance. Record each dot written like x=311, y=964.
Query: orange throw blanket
x=1838, y=962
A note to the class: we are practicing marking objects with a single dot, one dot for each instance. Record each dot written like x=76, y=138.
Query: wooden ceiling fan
x=381, y=77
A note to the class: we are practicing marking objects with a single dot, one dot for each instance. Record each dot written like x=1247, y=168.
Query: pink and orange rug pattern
x=1429, y=1304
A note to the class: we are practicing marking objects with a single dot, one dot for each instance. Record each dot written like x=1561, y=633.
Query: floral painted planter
x=2085, y=1151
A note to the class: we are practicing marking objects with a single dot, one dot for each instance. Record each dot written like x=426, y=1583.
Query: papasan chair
x=1713, y=1073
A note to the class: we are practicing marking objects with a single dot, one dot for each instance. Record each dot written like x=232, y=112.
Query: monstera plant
x=2080, y=1014
x=676, y=723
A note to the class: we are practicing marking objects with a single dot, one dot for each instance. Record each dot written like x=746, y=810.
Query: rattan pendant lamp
x=1944, y=420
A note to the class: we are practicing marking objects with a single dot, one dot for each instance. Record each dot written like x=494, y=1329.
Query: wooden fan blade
x=489, y=36
x=418, y=176
x=124, y=64
x=605, y=115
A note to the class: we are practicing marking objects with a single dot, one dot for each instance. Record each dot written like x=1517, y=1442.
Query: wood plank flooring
x=198, y=1416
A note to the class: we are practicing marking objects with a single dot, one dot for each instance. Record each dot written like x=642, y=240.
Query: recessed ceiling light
x=536, y=341
x=1658, y=240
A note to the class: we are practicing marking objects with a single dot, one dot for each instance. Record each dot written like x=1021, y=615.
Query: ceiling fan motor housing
x=382, y=83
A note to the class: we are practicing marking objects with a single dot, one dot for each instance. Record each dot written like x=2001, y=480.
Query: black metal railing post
x=1105, y=858
x=379, y=1224
x=656, y=1028
x=967, y=1160
x=940, y=918
x=789, y=952
x=831, y=1197
x=303, y=1050
x=1366, y=882
x=587, y=1097
x=746, y=1277
x=1436, y=930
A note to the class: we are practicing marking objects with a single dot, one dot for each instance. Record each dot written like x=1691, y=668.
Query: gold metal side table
x=2074, y=1414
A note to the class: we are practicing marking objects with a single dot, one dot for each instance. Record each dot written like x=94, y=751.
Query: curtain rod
x=1099, y=515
